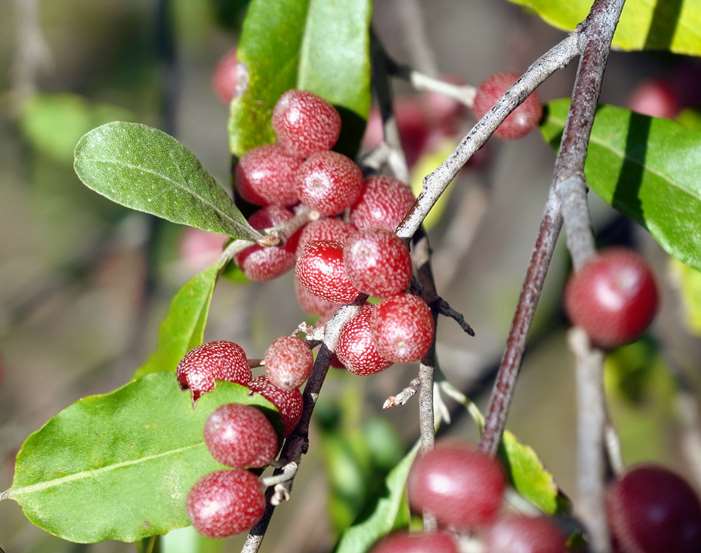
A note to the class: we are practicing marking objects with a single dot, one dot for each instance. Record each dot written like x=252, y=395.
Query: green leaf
x=648, y=169
x=644, y=25
x=688, y=282
x=183, y=326
x=388, y=513
x=119, y=466
x=147, y=170
x=317, y=45
x=426, y=164
x=188, y=540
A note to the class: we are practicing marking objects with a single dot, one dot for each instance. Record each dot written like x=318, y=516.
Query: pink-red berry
x=225, y=503
x=403, y=328
x=522, y=120
x=266, y=175
x=461, y=486
x=329, y=182
x=289, y=403
x=320, y=269
x=240, y=436
x=524, y=534
x=199, y=249
x=304, y=123
x=311, y=303
x=226, y=78
x=384, y=204
x=335, y=230
x=423, y=542
x=356, y=349
x=288, y=362
x=655, y=98
x=613, y=297
x=378, y=262
x=217, y=360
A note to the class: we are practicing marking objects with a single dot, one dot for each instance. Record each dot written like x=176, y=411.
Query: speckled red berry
x=321, y=270
x=266, y=175
x=384, y=204
x=329, y=182
x=217, y=360
x=288, y=362
x=522, y=120
x=311, y=303
x=335, y=230
x=403, y=328
x=225, y=503
x=288, y=403
x=378, y=263
x=524, y=534
x=423, y=542
x=460, y=486
x=240, y=436
x=651, y=510
x=304, y=123
x=356, y=349
x=613, y=297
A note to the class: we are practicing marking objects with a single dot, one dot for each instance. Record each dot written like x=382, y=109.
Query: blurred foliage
x=688, y=282
x=426, y=164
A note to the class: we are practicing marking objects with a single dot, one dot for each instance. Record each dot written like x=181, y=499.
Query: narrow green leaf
x=188, y=540
x=644, y=25
x=648, y=169
x=146, y=169
x=689, y=286
x=118, y=466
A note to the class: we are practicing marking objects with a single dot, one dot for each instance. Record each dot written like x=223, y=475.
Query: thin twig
x=404, y=395
x=418, y=45
x=445, y=309
x=465, y=94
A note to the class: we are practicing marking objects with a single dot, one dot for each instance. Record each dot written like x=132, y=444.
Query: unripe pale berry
x=240, y=436
x=423, y=542
x=311, y=303
x=613, y=297
x=378, y=262
x=288, y=362
x=655, y=98
x=335, y=230
x=461, y=486
x=199, y=248
x=266, y=175
x=226, y=77
x=329, y=182
x=524, y=534
x=384, y=204
x=225, y=503
x=217, y=360
x=288, y=403
x=321, y=270
x=652, y=510
x=403, y=328
x=522, y=120
x=356, y=349
x=304, y=123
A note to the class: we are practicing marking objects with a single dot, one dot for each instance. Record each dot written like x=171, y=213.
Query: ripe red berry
x=329, y=182
x=229, y=77
x=240, y=436
x=522, y=120
x=288, y=403
x=403, y=328
x=311, y=303
x=378, y=263
x=651, y=510
x=304, y=123
x=320, y=269
x=266, y=175
x=356, y=349
x=613, y=297
x=424, y=542
x=524, y=534
x=384, y=204
x=199, y=249
x=655, y=98
x=288, y=362
x=336, y=230
x=460, y=486
x=225, y=503
x=218, y=360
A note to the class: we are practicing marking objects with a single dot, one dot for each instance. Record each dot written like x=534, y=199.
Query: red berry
x=384, y=204
x=225, y=503
x=613, y=297
x=304, y=123
x=266, y=175
x=443, y=111
x=320, y=270
x=229, y=77
x=526, y=535
x=655, y=98
x=460, y=486
x=652, y=510
x=218, y=360
x=522, y=120
x=311, y=303
x=329, y=182
x=288, y=362
x=424, y=542
x=403, y=328
x=378, y=263
x=199, y=248
x=325, y=229
x=240, y=436
x=288, y=403
x=356, y=349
